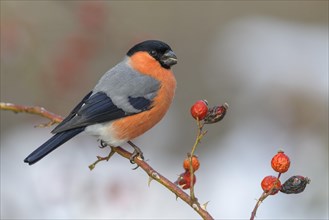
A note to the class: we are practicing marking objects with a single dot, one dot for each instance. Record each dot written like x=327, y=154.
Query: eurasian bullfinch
x=128, y=100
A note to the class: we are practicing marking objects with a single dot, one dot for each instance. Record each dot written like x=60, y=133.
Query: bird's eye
x=153, y=53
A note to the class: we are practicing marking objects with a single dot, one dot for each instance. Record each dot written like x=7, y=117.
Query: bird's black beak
x=168, y=59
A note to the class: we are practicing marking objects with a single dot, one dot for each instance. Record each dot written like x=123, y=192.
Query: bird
x=128, y=100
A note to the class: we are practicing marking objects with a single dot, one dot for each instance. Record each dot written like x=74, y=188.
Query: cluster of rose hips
x=272, y=185
x=184, y=180
x=201, y=113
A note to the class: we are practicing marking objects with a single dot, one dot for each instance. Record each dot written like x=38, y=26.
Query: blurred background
x=267, y=59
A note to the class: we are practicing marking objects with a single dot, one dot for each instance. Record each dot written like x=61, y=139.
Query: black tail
x=50, y=145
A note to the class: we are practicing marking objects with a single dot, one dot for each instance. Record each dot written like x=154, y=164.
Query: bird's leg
x=103, y=144
x=137, y=152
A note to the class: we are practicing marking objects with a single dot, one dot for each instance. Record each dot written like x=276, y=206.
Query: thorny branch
x=153, y=174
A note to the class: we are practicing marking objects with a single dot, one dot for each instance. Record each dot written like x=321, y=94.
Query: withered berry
x=295, y=184
x=216, y=113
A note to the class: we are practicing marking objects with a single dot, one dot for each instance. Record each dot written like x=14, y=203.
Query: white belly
x=104, y=131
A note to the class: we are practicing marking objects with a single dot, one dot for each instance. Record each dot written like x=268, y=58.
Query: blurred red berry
x=93, y=14
x=79, y=46
x=15, y=41
x=280, y=162
x=184, y=180
x=71, y=59
x=199, y=109
x=195, y=163
x=271, y=183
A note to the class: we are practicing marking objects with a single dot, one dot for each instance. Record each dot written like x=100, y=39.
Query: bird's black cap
x=157, y=49
x=148, y=46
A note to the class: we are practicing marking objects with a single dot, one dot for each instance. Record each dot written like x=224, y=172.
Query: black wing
x=98, y=108
x=72, y=113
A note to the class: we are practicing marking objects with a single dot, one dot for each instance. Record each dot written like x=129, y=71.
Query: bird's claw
x=137, y=153
x=103, y=144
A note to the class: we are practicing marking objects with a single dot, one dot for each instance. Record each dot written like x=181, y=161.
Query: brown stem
x=99, y=159
x=259, y=201
x=36, y=110
x=199, y=136
x=263, y=197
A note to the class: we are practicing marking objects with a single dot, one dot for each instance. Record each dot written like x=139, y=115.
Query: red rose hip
x=184, y=180
x=271, y=183
x=199, y=109
x=280, y=162
x=195, y=163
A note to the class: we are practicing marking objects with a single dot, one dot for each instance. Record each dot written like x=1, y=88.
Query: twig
x=145, y=166
x=262, y=198
x=259, y=201
x=99, y=159
x=199, y=136
x=36, y=110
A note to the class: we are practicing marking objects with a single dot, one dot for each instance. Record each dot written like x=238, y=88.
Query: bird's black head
x=157, y=49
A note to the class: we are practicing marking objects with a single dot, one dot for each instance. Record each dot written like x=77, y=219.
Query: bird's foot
x=103, y=144
x=137, y=153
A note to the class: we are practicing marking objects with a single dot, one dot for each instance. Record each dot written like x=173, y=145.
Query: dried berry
x=271, y=183
x=216, y=113
x=295, y=184
x=195, y=163
x=184, y=180
x=280, y=162
x=199, y=109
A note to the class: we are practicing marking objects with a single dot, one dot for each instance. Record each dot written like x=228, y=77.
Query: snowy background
x=268, y=60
